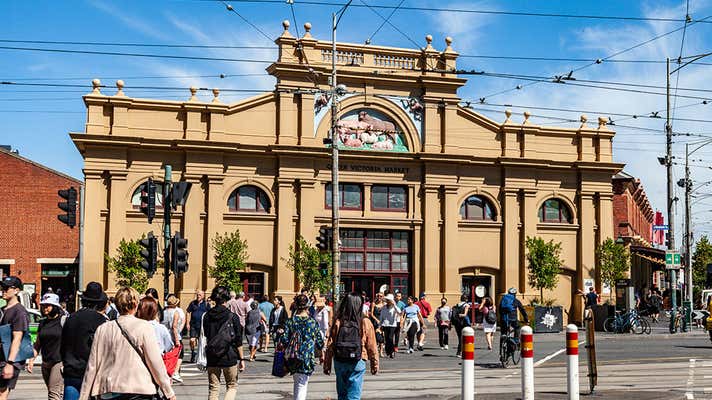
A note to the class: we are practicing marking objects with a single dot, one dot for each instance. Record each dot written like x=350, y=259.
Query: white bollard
x=527, y=344
x=572, y=362
x=468, y=363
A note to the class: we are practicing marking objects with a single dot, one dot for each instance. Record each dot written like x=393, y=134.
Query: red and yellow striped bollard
x=527, y=344
x=572, y=360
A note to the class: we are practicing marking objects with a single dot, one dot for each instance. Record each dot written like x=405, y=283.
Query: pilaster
x=308, y=199
x=530, y=217
x=117, y=216
x=430, y=268
x=510, y=241
x=93, y=257
x=449, y=275
x=283, y=279
x=214, y=220
x=287, y=119
x=194, y=231
x=585, y=267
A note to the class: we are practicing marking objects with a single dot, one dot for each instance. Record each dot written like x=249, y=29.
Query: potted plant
x=544, y=263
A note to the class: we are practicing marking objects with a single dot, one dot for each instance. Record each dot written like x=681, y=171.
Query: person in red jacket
x=425, y=311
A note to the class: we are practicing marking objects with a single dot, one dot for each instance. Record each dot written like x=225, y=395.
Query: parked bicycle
x=629, y=322
x=509, y=348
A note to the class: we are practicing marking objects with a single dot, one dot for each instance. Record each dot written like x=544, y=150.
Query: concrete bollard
x=572, y=362
x=468, y=363
x=527, y=343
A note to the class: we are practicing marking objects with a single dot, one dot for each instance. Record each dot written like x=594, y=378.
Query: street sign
x=672, y=260
x=661, y=227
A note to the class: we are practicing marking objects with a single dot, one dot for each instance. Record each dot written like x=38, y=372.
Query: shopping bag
x=279, y=366
x=25, y=351
x=170, y=359
x=202, y=360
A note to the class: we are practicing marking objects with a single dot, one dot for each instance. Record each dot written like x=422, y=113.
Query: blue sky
x=43, y=136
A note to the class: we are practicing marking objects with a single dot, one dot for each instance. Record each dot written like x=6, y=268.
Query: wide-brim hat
x=389, y=297
x=94, y=292
x=50, y=299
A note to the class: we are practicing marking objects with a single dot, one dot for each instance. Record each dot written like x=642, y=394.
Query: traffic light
x=324, y=268
x=149, y=254
x=148, y=199
x=179, y=254
x=323, y=241
x=69, y=206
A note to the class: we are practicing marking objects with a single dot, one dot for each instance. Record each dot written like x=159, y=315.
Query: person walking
x=49, y=339
x=323, y=319
x=223, y=334
x=195, y=312
x=351, y=342
x=401, y=306
x=389, y=319
x=174, y=320
x=489, y=320
x=266, y=307
x=655, y=301
x=15, y=315
x=300, y=340
x=125, y=362
x=78, y=335
x=375, y=315
x=253, y=328
x=425, y=310
x=154, y=293
x=411, y=324
x=277, y=319
x=240, y=305
x=442, y=319
x=460, y=320
x=148, y=311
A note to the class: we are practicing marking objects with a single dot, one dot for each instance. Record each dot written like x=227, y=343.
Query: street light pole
x=670, y=194
x=688, y=189
x=335, y=253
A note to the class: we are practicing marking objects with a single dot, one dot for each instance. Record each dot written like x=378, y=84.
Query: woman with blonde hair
x=125, y=360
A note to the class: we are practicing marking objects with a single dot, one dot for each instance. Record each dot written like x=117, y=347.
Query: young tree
x=230, y=260
x=544, y=264
x=614, y=262
x=700, y=258
x=127, y=266
x=304, y=259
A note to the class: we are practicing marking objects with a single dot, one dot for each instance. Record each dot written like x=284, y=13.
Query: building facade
x=434, y=197
x=34, y=244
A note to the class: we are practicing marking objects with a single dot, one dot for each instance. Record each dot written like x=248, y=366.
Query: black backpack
x=491, y=316
x=223, y=340
x=348, y=342
x=456, y=318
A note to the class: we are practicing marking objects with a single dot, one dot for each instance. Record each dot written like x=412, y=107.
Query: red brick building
x=34, y=244
x=633, y=219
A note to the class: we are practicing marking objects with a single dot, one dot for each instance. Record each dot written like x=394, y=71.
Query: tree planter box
x=548, y=319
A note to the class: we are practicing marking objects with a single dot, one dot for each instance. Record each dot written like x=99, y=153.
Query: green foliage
x=304, y=260
x=700, y=258
x=614, y=262
x=544, y=263
x=127, y=266
x=230, y=260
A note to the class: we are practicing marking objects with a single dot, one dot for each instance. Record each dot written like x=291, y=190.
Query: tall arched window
x=249, y=198
x=136, y=196
x=478, y=208
x=555, y=211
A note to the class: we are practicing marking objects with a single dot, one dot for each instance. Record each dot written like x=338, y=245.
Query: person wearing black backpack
x=489, y=320
x=460, y=320
x=223, y=349
x=351, y=342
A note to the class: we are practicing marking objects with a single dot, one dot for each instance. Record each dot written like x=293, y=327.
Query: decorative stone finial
x=193, y=91
x=507, y=113
x=527, y=114
x=584, y=118
x=602, y=121
x=96, y=84
x=448, y=42
x=285, y=25
x=216, y=93
x=120, y=88
x=429, y=41
x=307, y=30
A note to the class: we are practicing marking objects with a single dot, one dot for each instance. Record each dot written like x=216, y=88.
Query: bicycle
x=627, y=322
x=679, y=322
x=509, y=348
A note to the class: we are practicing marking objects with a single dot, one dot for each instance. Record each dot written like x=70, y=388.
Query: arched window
x=136, y=196
x=478, y=208
x=555, y=211
x=249, y=198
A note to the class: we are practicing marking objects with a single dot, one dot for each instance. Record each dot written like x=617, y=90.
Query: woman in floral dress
x=300, y=339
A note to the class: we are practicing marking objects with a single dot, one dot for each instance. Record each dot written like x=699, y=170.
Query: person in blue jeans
x=352, y=341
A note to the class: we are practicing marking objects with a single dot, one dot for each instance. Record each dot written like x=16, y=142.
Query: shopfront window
x=249, y=198
x=555, y=211
x=478, y=208
x=388, y=198
x=374, y=250
x=350, y=196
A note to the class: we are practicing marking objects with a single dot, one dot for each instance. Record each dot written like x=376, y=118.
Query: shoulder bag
x=159, y=395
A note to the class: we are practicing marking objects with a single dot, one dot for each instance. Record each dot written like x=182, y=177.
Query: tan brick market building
x=436, y=197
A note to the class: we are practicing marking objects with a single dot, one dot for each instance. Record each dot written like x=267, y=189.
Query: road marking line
x=690, y=394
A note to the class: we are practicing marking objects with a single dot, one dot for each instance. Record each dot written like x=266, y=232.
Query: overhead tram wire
x=474, y=11
x=601, y=60
x=220, y=76
x=69, y=85
x=564, y=59
x=232, y=9
x=679, y=58
x=157, y=45
x=368, y=41
x=387, y=21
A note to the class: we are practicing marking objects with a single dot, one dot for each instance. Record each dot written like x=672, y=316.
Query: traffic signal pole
x=335, y=204
x=670, y=198
x=166, y=227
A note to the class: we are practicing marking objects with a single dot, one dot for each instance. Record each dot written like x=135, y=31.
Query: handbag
x=279, y=365
x=170, y=359
x=26, y=351
x=159, y=395
x=202, y=359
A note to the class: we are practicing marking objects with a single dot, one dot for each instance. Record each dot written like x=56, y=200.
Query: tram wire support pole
x=670, y=193
x=167, y=189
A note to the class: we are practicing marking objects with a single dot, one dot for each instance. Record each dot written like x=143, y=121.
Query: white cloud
x=130, y=21
x=465, y=28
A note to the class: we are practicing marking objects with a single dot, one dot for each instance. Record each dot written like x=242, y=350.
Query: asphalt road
x=657, y=366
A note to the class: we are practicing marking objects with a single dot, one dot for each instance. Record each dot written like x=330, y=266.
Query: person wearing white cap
x=48, y=343
x=389, y=323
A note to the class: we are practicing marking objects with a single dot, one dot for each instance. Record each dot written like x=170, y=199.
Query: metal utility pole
x=335, y=251
x=670, y=194
x=688, y=236
x=166, y=227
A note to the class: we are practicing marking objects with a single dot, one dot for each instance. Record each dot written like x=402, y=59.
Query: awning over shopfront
x=655, y=256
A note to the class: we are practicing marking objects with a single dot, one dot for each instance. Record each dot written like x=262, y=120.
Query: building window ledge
x=249, y=216
x=479, y=224
x=557, y=227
